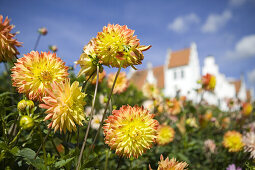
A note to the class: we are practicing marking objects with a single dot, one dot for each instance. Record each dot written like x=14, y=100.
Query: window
x=175, y=75
x=182, y=74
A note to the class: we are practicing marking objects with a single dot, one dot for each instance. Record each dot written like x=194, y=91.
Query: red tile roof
x=139, y=77
x=179, y=58
x=248, y=95
x=237, y=85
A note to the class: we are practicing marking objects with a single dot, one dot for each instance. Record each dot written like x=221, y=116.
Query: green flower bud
x=30, y=104
x=22, y=105
x=26, y=122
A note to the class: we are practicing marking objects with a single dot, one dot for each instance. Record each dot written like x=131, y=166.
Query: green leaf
x=62, y=163
x=27, y=153
x=15, y=151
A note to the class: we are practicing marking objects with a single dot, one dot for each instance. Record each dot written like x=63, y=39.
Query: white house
x=223, y=89
x=181, y=72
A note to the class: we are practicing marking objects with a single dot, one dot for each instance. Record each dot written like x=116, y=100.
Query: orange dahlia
x=121, y=83
x=130, y=131
x=208, y=82
x=34, y=72
x=117, y=46
x=171, y=164
x=165, y=134
x=64, y=105
x=233, y=141
x=173, y=106
x=8, y=44
x=246, y=109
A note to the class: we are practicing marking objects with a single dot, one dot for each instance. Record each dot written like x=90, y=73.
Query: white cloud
x=236, y=2
x=244, y=48
x=216, y=21
x=182, y=23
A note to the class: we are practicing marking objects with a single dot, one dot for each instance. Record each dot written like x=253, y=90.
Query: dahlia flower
x=173, y=106
x=64, y=105
x=8, y=44
x=208, y=82
x=130, y=131
x=117, y=46
x=171, y=164
x=246, y=109
x=88, y=60
x=210, y=146
x=100, y=79
x=121, y=83
x=233, y=141
x=95, y=123
x=150, y=90
x=165, y=135
x=34, y=72
x=249, y=143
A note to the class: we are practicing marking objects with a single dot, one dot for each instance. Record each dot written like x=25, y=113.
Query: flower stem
x=37, y=41
x=91, y=117
x=106, y=159
x=106, y=106
x=86, y=82
x=44, y=140
x=16, y=137
x=55, y=147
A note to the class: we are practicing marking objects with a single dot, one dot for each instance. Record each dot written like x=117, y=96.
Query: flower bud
x=43, y=31
x=30, y=104
x=22, y=105
x=53, y=48
x=26, y=122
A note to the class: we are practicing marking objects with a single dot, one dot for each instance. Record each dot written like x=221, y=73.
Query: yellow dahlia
x=88, y=60
x=64, y=105
x=34, y=72
x=100, y=79
x=233, y=141
x=150, y=90
x=117, y=46
x=171, y=164
x=8, y=44
x=165, y=134
x=208, y=82
x=121, y=83
x=130, y=131
x=246, y=109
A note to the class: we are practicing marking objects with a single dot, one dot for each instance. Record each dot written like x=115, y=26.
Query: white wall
x=223, y=88
x=188, y=82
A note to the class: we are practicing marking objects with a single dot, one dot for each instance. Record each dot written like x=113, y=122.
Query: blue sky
x=222, y=28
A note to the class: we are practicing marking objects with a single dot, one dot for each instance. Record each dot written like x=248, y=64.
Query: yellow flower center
x=132, y=130
x=97, y=121
x=46, y=76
